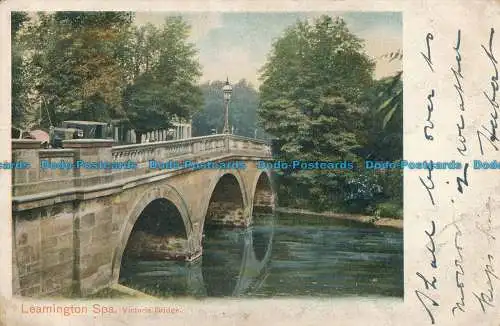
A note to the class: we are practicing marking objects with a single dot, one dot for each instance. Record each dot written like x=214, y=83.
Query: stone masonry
x=71, y=227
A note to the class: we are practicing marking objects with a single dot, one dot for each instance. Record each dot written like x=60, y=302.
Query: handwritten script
x=459, y=273
x=457, y=73
x=429, y=284
x=427, y=297
x=491, y=130
x=486, y=298
x=478, y=294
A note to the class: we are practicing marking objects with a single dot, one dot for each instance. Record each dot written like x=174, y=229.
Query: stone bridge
x=72, y=226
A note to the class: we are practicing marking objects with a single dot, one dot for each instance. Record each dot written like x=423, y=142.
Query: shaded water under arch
x=289, y=257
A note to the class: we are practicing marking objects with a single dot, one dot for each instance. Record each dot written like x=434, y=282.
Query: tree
x=17, y=20
x=143, y=46
x=211, y=116
x=392, y=106
x=97, y=66
x=312, y=87
x=19, y=80
x=384, y=116
x=383, y=120
x=104, y=19
x=391, y=93
x=75, y=65
x=165, y=72
x=384, y=135
x=242, y=110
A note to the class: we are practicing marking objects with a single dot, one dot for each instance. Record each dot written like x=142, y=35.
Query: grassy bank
x=396, y=223
x=117, y=291
x=110, y=293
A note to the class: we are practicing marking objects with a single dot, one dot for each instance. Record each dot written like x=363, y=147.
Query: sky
x=236, y=45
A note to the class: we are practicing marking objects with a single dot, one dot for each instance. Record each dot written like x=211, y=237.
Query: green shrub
x=356, y=192
x=389, y=209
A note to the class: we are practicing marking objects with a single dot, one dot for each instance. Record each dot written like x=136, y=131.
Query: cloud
x=379, y=47
x=235, y=63
x=203, y=23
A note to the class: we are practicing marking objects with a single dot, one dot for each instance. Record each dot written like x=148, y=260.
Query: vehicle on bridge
x=78, y=130
x=38, y=134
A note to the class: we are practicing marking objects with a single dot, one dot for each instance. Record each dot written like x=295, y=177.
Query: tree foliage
x=164, y=73
x=383, y=120
x=312, y=84
x=320, y=102
x=99, y=66
x=242, y=110
x=19, y=80
x=74, y=63
x=318, y=98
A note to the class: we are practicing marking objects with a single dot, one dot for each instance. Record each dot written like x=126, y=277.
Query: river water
x=291, y=256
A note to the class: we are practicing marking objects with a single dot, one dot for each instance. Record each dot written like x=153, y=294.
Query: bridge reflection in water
x=234, y=263
x=302, y=255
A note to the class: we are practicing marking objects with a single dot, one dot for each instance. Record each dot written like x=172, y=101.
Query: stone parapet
x=26, y=144
x=74, y=242
x=26, y=151
x=40, y=178
x=88, y=143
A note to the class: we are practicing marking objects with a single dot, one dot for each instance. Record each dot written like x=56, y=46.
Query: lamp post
x=227, y=89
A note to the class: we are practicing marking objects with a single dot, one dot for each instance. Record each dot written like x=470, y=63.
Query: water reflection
x=232, y=263
x=294, y=257
x=221, y=261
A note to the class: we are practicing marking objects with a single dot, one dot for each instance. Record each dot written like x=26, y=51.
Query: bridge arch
x=228, y=191
x=263, y=194
x=164, y=194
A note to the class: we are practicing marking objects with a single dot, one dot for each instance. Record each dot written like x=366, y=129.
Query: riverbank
x=118, y=291
x=381, y=222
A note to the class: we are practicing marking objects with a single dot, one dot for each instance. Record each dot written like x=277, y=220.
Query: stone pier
x=72, y=226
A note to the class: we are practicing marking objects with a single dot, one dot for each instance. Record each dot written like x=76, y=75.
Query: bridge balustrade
x=43, y=181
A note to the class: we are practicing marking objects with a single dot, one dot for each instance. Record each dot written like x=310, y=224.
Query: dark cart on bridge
x=79, y=130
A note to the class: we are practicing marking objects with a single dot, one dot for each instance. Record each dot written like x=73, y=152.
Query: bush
x=389, y=209
x=357, y=192
x=392, y=184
